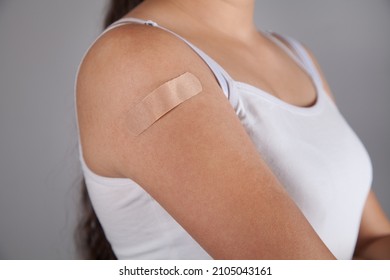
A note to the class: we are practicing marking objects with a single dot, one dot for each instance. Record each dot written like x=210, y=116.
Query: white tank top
x=312, y=150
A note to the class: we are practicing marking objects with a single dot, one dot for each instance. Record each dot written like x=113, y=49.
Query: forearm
x=377, y=249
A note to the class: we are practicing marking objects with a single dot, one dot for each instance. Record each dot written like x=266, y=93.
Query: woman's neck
x=233, y=18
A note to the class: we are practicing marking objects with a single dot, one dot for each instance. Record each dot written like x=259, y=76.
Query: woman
x=259, y=165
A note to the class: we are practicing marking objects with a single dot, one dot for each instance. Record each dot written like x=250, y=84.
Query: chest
x=266, y=65
x=318, y=159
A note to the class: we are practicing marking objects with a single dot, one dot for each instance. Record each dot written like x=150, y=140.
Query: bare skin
x=202, y=168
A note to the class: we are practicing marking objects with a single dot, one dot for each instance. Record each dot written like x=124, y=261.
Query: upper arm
x=197, y=160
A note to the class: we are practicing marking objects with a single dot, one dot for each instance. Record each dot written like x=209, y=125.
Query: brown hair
x=90, y=238
x=118, y=8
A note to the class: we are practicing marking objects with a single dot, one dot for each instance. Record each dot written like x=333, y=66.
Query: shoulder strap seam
x=302, y=54
x=221, y=76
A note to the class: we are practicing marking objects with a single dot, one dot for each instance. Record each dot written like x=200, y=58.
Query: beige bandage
x=162, y=100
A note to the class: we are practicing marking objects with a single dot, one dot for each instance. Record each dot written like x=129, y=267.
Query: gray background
x=41, y=43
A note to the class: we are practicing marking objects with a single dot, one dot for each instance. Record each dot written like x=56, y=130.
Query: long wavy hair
x=90, y=238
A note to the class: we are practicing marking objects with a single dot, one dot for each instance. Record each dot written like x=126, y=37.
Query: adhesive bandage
x=162, y=100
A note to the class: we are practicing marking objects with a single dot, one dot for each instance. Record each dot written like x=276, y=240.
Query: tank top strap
x=222, y=77
x=299, y=52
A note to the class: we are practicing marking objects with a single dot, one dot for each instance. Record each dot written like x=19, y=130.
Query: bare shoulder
x=135, y=52
x=197, y=160
x=120, y=68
